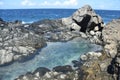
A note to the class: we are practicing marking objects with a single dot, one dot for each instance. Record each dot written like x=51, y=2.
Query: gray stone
x=110, y=36
x=118, y=60
x=87, y=18
x=104, y=64
x=92, y=33
x=67, y=21
x=96, y=28
x=83, y=57
x=75, y=27
x=83, y=35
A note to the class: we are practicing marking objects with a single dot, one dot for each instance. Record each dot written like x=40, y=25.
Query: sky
x=71, y=4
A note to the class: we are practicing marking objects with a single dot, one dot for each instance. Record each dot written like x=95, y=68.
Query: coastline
x=84, y=23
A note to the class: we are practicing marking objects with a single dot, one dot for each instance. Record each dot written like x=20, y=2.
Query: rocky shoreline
x=19, y=41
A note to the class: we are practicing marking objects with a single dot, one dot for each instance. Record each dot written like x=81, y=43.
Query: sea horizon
x=54, y=8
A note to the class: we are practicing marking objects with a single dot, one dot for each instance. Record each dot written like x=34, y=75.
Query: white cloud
x=1, y=3
x=60, y=3
x=48, y=3
x=27, y=3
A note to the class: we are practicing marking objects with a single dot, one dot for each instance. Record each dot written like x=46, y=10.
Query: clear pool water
x=54, y=54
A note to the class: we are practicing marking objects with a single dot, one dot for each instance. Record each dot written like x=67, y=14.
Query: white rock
x=26, y=25
x=5, y=56
x=97, y=54
x=75, y=27
x=83, y=57
x=24, y=77
x=92, y=33
x=95, y=20
x=83, y=35
x=98, y=33
x=23, y=50
x=62, y=76
x=93, y=55
x=17, y=57
x=67, y=21
x=111, y=49
x=36, y=78
x=48, y=75
x=55, y=73
x=96, y=28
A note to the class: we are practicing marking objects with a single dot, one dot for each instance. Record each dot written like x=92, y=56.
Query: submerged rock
x=63, y=69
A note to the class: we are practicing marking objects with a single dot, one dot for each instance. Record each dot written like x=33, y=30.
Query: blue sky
x=96, y=4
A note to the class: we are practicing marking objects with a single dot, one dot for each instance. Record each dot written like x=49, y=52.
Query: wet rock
x=2, y=23
x=1, y=20
x=76, y=63
x=64, y=69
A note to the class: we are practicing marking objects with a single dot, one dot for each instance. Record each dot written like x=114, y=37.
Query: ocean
x=31, y=15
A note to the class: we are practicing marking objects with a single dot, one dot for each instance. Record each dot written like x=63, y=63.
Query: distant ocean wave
x=24, y=22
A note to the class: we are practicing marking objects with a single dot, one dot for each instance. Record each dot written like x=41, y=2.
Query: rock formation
x=18, y=40
x=111, y=39
x=85, y=20
x=83, y=23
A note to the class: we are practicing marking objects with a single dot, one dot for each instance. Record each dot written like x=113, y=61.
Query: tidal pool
x=54, y=54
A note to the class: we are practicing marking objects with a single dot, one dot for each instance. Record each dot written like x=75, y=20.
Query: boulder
x=87, y=19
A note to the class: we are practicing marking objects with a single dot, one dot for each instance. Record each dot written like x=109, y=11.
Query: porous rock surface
x=17, y=42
